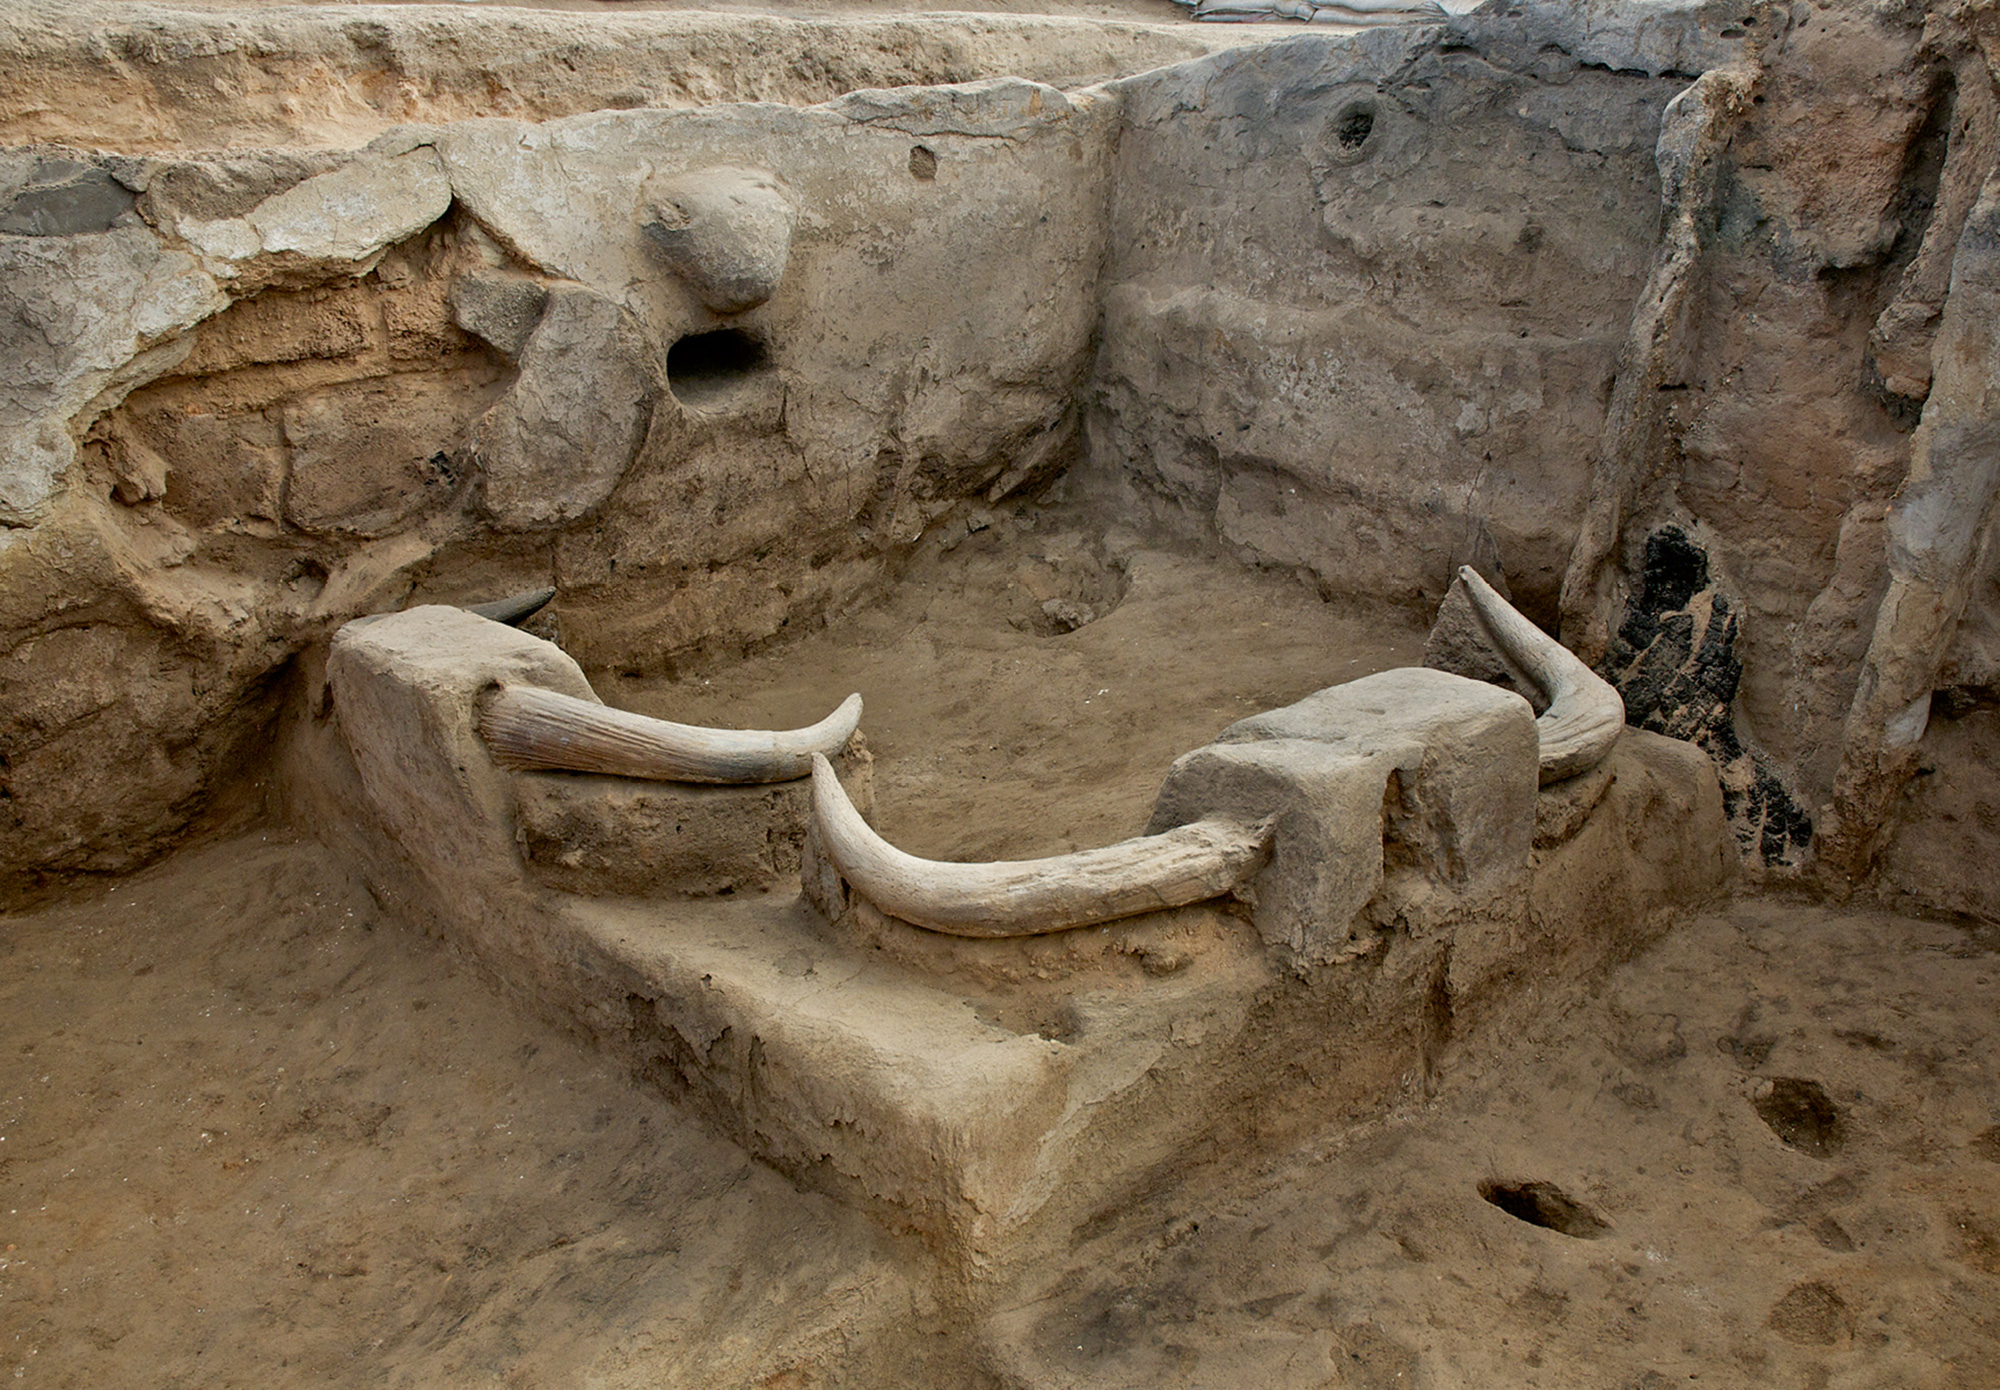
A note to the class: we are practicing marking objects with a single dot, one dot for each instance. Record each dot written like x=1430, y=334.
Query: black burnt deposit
x=1676, y=663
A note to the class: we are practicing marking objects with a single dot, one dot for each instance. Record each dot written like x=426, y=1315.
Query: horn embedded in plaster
x=1585, y=713
x=1032, y=897
x=530, y=728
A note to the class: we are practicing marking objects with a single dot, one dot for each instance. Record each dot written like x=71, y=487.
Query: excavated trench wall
x=460, y=361
x=1365, y=301
x=1695, y=368
x=1692, y=366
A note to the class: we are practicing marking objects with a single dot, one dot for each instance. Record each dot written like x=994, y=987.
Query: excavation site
x=1055, y=696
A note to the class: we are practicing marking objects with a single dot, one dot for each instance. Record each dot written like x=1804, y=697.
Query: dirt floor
x=999, y=734
x=256, y=1135
x=256, y=1132
x=252, y=1132
x=1766, y=1155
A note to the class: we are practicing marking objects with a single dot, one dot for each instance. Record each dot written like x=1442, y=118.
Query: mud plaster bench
x=1397, y=872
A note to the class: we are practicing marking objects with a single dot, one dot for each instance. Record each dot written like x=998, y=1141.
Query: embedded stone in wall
x=500, y=310
x=348, y=214
x=78, y=314
x=557, y=443
x=59, y=196
x=727, y=233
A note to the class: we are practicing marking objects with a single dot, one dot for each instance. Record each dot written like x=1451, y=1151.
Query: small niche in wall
x=1349, y=132
x=706, y=371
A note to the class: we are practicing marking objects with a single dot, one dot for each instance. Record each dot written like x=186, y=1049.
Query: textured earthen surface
x=1402, y=888
x=1672, y=318
x=334, y=441
x=1514, y=289
x=612, y=836
x=237, y=1085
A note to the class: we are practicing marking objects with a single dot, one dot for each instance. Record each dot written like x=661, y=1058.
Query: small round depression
x=706, y=370
x=1354, y=127
x=1349, y=130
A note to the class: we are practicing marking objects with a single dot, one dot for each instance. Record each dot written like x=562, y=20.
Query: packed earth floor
x=253, y=1131
x=255, y=1134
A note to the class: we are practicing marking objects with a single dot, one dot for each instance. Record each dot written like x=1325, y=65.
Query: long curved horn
x=527, y=727
x=514, y=609
x=1031, y=897
x=1585, y=713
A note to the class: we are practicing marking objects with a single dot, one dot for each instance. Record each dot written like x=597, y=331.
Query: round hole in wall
x=1349, y=131
x=705, y=370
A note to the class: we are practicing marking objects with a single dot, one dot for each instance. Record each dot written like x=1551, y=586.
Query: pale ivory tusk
x=1585, y=714
x=527, y=727
x=1031, y=897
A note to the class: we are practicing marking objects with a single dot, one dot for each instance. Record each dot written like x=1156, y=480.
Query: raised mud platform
x=979, y=1091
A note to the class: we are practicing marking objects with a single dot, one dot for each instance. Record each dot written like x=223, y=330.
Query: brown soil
x=1157, y=11
x=1764, y=1155
x=257, y=1135
x=996, y=733
x=254, y=1132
